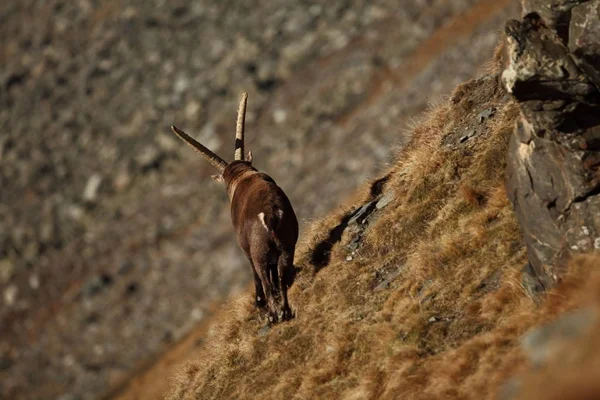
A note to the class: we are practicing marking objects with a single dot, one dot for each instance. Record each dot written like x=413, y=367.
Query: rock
x=541, y=69
x=192, y=110
x=386, y=199
x=432, y=319
x=197, y=314
x=90, y=193
x=75, y=212
x=541, y=343
x=362, y=213
x=7, y=269
x=554, y=13
x=553, y=166
x=354, y=243
x=96, y=284
x=264, y=330
x=279, y=116
x=34, y=281
x=387, y=280
x=485, y=114
x=349, y=258
x=10, y=295
x=584, y=42
x=148, y=157
x=531, y=281
x=181, y=84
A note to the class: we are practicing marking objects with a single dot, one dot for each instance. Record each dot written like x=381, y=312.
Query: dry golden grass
x=446, y=327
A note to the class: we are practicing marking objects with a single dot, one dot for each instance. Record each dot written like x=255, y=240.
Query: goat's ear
x=218, y=178
x=249, y=157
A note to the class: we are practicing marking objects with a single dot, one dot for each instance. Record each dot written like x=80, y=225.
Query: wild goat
x=263, y=218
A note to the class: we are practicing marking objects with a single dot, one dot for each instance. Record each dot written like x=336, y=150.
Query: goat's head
x=240, y=163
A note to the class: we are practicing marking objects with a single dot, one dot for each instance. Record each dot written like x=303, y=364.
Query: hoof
x=287, y=314
x=260, y=303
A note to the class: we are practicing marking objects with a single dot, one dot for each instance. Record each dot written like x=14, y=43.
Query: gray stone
x=148, y=157
x=543, y=342
x=90, y=193
x=96, y=284
x=485, y=114
x=532, y=281
x=264, y=330
x=386, y=199
x=10, y=295
x=34, y=282
x=387, y=280
x=554, y=13
x=584, y=38
x=362, y=213
x=553, y=161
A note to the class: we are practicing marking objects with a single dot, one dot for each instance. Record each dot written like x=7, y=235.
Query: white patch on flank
x=261, y=217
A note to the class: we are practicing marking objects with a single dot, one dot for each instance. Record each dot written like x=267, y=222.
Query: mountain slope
x=412, y=290
x=114, y=243
x=427, y=283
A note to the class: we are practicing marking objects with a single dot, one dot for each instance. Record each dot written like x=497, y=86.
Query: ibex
x=263, y=218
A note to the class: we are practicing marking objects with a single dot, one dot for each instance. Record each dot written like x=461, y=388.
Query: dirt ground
x=115, y=245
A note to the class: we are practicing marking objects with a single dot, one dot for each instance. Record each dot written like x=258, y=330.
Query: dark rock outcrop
x=553, y=177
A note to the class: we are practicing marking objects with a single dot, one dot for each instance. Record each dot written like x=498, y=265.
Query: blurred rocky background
x=114, y=242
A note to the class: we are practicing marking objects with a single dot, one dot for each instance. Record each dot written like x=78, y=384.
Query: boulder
x=553, y=172
x=584, y=39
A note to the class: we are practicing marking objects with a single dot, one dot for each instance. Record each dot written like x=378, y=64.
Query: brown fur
x=268, y=242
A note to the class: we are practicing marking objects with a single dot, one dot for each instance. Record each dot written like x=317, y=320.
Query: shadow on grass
x=321, y=254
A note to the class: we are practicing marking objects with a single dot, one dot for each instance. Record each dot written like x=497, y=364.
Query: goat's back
x=262, y=214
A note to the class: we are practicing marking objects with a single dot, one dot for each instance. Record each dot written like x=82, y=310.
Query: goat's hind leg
x=285, y=267
x=259, y=295
x=259, y=299
x=261, y=268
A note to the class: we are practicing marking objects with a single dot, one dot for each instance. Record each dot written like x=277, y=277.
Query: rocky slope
x=416, y=288
x=113, y=241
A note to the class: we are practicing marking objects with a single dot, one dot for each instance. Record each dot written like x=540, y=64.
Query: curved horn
x=239, y=128
x=208, y=155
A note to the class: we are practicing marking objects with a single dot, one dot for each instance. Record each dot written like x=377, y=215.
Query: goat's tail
x=271, y=221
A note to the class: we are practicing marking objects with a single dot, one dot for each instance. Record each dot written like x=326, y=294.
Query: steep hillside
x=413, y=289
x=114, y=243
